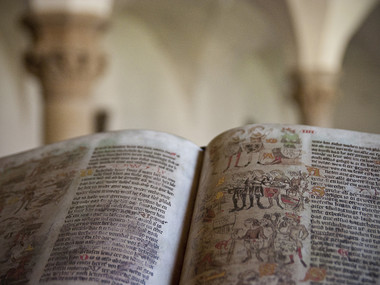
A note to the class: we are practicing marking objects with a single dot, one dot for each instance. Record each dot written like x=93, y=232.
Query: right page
x=287, y=205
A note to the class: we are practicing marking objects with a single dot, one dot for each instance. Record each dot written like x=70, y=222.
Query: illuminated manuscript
x=260, y=204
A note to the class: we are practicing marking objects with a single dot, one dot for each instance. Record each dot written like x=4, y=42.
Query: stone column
x=67, y=58
x=322, y=31
x=316, y=93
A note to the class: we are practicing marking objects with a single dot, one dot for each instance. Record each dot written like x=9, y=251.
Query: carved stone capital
x=65, y=54
x=66, y=57
x=316, y=93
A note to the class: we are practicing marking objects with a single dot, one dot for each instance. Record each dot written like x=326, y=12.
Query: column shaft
x=316, y=93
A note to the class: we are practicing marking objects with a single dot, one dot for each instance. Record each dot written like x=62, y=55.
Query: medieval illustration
x=29, y=193
x=244, y=148
x=289, y=152
x=250, y=226
x=254, y=220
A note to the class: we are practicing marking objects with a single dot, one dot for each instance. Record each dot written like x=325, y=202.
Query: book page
x=35, y=189
x=287, y=205
x=106, y=209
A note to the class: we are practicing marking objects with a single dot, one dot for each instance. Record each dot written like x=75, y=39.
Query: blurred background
x=191, y=68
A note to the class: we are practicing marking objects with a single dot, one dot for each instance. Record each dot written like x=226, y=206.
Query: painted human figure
x=239, y=193
x=255, y=187
x=268, y=186
x=300, y=184
x=234, y=148
x=279, y=183
x=272, y=191
x=269, y=222
x=294, y=197
x=251, y=238
x=296, y=233
x=249, y=141
x=254, y=145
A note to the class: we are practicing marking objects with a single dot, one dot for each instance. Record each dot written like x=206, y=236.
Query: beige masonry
x=316, y=93
x=67, y=58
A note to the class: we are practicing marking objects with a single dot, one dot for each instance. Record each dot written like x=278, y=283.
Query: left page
x=103, y=209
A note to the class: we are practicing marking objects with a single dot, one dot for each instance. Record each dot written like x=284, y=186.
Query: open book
x=261, y=204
